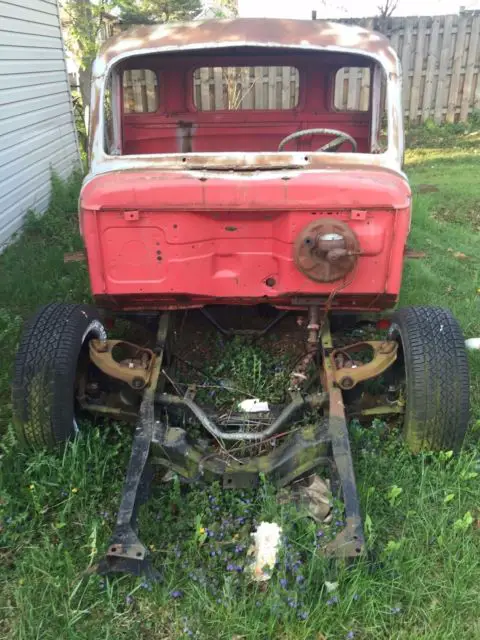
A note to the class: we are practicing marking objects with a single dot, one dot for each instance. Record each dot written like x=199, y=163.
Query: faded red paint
x=214, y=131
x=189, y=208
x=202, y=239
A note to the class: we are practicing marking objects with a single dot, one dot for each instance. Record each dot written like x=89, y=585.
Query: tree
x=157, y=11
x=387, y=8
x=83, y=22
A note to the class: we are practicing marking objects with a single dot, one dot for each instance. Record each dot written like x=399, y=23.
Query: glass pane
x=245, y=88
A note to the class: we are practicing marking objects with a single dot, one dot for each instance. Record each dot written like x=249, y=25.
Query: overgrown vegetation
x=420, y=576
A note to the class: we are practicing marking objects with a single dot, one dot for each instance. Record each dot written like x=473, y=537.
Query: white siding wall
x=37, y=131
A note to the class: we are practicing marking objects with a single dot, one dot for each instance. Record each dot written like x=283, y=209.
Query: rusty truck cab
x=220, y=149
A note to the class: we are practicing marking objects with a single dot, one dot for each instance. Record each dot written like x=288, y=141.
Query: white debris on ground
x=253, y=405
x=473, y=344
x=330, y=586
x=266, y=542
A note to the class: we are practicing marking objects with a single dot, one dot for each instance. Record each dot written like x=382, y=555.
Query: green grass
x=420, y=579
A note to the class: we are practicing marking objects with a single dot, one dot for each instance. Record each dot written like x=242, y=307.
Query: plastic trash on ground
x=253, y=405
x=473, y=344
x=266, y=542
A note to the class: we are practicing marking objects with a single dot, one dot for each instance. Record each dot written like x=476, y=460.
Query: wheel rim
x=94, y=331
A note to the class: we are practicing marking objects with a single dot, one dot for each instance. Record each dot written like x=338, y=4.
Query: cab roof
x=247, y=32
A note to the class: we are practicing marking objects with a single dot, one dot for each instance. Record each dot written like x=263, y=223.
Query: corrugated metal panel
x=20, y=94
x=37, y=131
x=30, y=194
x=21, y=182
x=10, y=25
x=20, y=128
x=30, y=53
x=24, y=66
x=14, y=111
x=39, y=138
x=37, y=5
x=31, y=79
x=11, y=38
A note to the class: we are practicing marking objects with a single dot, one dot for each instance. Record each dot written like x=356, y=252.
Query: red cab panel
x=159, y=239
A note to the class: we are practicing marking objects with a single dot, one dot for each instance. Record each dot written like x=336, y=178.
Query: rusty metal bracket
x=347, y=377
x=135, y=366
x=350, y=542
x=126, y=553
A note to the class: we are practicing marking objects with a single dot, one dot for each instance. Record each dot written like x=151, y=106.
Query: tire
x=433, y=368
x=43, y=390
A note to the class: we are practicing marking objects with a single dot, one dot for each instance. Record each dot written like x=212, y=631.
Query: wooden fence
x=440, y=59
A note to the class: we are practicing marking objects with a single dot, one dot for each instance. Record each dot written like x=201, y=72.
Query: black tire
x=433, y=365
x=43, y=393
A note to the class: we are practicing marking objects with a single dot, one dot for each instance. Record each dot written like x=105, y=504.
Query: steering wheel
x=340, y=138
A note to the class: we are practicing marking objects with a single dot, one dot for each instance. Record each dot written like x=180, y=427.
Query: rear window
x=352, y=89
x=140, y=91
x=237, y=88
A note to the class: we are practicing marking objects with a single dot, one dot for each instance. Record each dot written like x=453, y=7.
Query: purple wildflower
x=350, y=635
x=283, y=582
x=230, y=567
x=303, y=615
x=320, y=534
x=395, y=610
x=129, y=599
x=176, y=594
x=333, y=600
x=291, y=603
x=146, y=585
x=338, y=523
x=300, y=579
x=239, y=548
x=356, y=596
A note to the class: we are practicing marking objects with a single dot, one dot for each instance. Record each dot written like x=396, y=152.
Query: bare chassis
x=323, y=444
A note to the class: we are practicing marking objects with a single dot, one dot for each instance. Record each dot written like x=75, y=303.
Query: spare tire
x=43, y=392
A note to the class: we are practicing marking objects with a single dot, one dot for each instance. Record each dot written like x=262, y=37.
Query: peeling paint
x=321, y=36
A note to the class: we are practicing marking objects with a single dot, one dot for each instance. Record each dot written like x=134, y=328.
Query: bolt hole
x=114, y=549
x=229, y=481
x=139, y=554
x=306, y=158
x=358, y=550
x=270, y=282
x=355, y=537
x=184, y=159
x=175, y=226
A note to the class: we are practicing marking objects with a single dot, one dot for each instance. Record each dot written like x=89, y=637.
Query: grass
x=420, y=577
